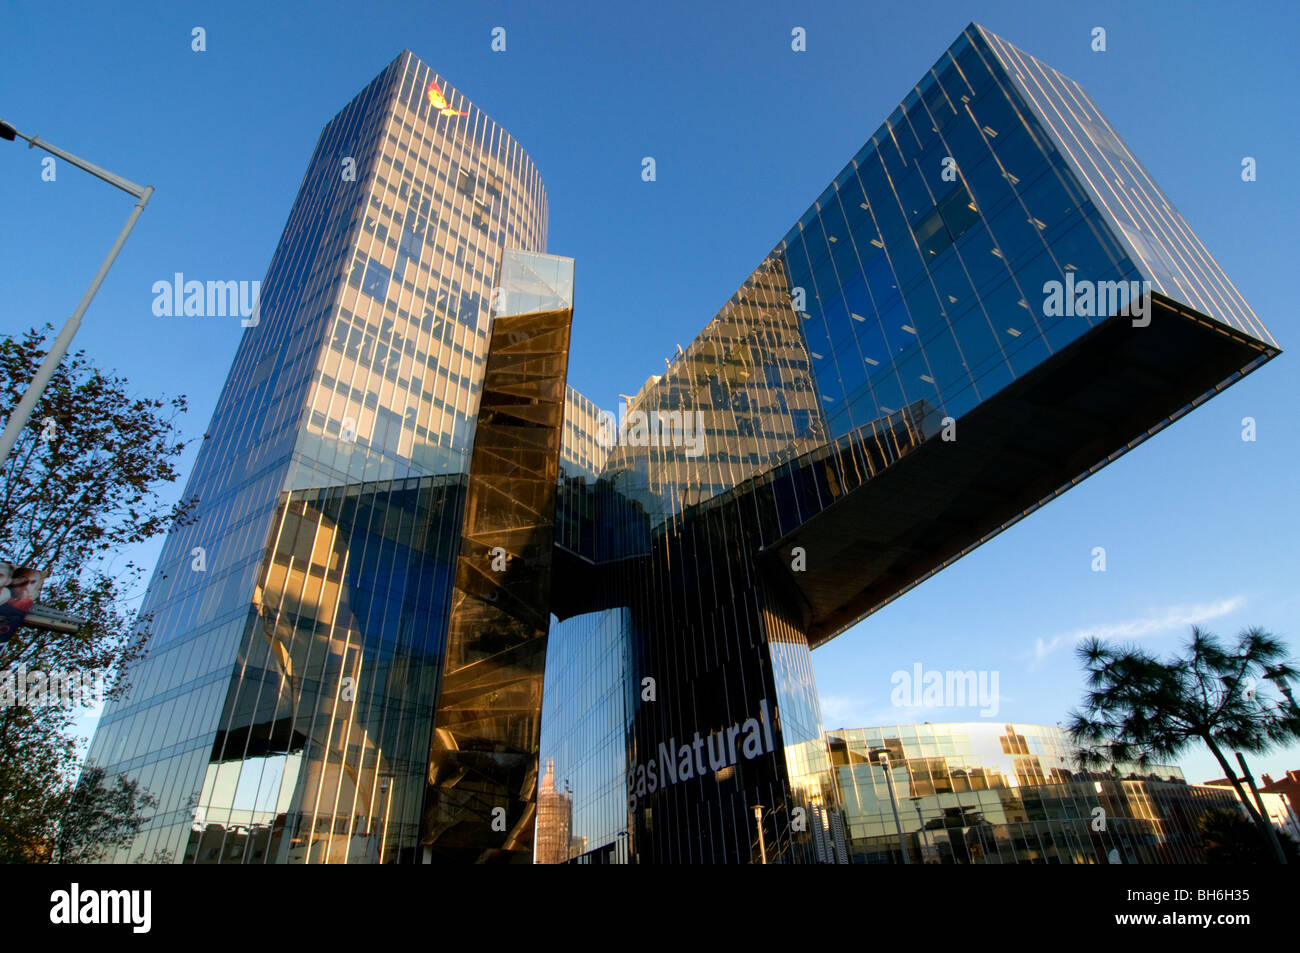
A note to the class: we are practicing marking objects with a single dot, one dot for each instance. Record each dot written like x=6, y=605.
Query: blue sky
x=1197, y=524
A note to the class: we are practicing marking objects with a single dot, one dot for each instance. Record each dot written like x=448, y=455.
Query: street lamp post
x=23, y=412
x=882, y=758
x=925, y=841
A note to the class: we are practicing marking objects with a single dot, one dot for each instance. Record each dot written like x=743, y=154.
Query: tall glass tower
x=288, y=704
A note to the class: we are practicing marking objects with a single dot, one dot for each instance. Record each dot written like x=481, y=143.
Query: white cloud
x=1156, y=621
x=843, y=711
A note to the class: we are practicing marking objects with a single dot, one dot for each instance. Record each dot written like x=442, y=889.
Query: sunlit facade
x=892, y=386
x=988, y=793
x=287, y=709
x=422, y=563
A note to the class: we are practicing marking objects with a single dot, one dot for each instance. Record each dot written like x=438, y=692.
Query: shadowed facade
x=483, y=762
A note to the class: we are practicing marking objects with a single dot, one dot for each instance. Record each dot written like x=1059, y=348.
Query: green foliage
x=1142, y=709
x=1230, y=838
x=90, y=489
x=80, y=486
x=96, y=816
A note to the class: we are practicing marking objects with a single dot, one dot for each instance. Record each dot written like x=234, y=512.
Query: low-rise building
x=988, y=793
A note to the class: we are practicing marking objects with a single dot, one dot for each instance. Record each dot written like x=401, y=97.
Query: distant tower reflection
x=554, y=820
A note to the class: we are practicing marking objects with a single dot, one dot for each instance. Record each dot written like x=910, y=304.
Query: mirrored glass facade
x=1158, y=240
x=285, y=709
x=482, y=789
x=423, y=565
x=984, y=793
x=891, y=387
x=584, y=728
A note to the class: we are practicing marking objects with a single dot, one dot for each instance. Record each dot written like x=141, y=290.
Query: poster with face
x=19, y=589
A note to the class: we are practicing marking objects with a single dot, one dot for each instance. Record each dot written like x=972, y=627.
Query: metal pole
x=893, y=803
x=758, y=819
x=23, y=412
x=926, y=843
x=126, y=185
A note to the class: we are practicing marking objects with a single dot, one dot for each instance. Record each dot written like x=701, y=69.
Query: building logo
x=439, y=102
x=750, y=738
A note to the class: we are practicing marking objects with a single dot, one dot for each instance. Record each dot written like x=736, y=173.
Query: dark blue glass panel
x=376, y=280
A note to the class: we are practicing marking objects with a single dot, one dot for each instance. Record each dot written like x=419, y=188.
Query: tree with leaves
x=97, y=816
x=81, y=486
x=1229, y=838
x=1143, y=710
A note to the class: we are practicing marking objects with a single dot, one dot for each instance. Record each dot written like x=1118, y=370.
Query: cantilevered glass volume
x=990, y=302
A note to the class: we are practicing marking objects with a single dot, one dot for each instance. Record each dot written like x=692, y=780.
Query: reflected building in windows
x=991, y=301
x=987, y=793
x=346, y=648
x=554, y=821
x=421, y=561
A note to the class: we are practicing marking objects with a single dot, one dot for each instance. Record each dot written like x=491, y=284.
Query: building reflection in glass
x=554, y=842
x=284, y=710
x=352, y=678
x=480, y=804
x=987, y=793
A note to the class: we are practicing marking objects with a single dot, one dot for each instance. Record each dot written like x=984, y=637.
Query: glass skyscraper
x=405, y=511
x=287, y=707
